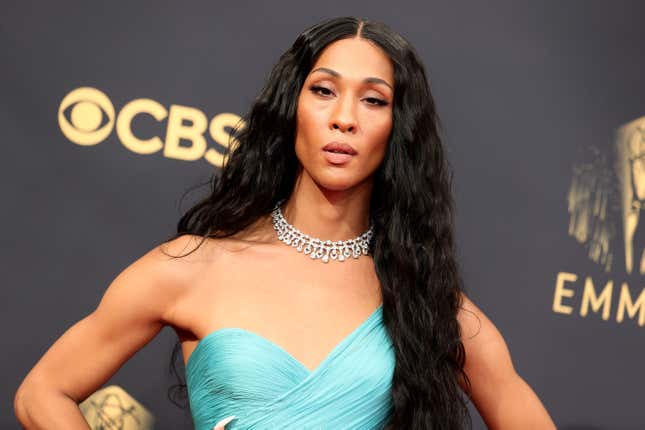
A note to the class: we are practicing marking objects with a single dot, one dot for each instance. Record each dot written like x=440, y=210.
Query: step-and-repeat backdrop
x=111, y=111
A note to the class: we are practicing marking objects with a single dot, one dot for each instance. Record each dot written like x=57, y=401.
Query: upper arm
x=503, y=399
x=134, y=308
x=488, y=362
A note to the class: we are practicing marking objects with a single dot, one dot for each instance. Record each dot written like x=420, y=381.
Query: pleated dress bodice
x=233, y=371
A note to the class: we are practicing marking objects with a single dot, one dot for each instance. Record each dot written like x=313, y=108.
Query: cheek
x=309, y=122
x=303, y=134
x=379, y=136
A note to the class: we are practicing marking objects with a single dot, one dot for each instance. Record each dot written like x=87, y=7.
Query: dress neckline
x=224, y=330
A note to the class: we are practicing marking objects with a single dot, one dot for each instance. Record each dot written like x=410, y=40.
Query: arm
x=502, y=397
x=134, y=308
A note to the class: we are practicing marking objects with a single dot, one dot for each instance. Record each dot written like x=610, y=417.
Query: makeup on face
x=344, y=115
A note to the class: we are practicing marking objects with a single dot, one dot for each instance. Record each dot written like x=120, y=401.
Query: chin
x=336, y=182
x=337, y=185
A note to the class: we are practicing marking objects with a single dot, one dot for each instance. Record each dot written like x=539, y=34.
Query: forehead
x=356, y=59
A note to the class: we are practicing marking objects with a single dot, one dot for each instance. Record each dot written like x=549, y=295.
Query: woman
x=341, y=144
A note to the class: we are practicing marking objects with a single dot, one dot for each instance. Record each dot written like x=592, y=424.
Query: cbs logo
x=92, y=118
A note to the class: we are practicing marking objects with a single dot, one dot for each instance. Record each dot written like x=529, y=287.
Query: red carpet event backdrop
x=112, y=111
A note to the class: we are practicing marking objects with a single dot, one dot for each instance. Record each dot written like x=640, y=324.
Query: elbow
x=20, y=401
x=26, y=397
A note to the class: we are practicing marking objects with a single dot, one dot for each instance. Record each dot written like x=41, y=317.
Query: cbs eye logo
x=92, y=118
x=88, y=107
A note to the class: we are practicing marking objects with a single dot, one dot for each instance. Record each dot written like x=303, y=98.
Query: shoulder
x=161, y=276
x=189, y=267
x=188, y=246
x=182, y=259
x=174, y=260
x=488, y=360
x=486, y=351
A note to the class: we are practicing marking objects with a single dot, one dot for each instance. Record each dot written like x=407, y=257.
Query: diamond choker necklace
x=316, y=248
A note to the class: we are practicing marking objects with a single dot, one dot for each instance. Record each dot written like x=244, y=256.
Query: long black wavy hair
x=411, y=207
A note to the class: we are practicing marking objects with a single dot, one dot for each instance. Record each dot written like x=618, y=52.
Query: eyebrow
x=371, y=79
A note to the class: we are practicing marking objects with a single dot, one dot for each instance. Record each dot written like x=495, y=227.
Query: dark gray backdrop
x=523, y=89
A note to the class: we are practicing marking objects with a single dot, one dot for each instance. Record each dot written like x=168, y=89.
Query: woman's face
x=346, y=98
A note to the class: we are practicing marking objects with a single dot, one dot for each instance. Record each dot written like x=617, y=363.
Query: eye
x=316, y=90
x=376, y=101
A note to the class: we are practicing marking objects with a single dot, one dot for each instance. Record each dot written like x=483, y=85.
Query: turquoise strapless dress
x=233, y=371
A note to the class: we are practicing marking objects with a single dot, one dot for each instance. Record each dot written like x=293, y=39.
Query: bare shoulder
x=472, y=319
x=161, y=276
x=187, y=246
x=478, y=332
x=488, y=360
x=189, y=267
x=175, y=264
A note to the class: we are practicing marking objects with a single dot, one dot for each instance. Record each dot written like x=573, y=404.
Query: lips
x=339, y=147
x=339, y=153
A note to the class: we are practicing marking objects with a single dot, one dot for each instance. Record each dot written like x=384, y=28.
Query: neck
x=328, y=214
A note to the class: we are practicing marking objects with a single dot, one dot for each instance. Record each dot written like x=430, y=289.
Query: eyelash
x=315, y=88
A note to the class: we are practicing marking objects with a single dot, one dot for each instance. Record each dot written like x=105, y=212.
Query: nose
x=343, y=117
